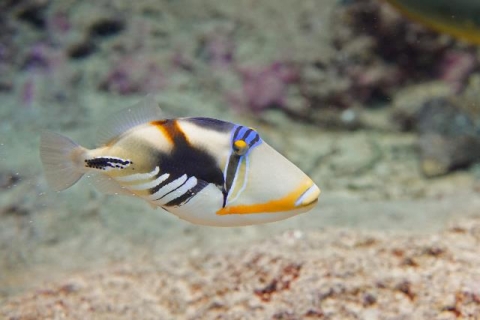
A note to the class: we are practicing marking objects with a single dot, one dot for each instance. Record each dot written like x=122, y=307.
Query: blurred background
x=378, y=101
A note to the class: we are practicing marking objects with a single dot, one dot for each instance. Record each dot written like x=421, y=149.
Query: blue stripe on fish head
x=252, y=139
x=249, y=135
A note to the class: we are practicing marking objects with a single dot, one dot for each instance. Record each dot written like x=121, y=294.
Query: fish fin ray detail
x=144, y=111
x=107, y=185
x=57, y=155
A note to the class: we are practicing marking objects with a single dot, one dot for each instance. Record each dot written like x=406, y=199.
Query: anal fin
x=107, y=185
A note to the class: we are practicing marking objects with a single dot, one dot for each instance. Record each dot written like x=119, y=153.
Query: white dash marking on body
x=150, y=184
x=189, y=184
x=167, y=188
x=139, y=176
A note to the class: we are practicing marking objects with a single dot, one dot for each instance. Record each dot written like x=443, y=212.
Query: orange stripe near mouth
x=284, y=204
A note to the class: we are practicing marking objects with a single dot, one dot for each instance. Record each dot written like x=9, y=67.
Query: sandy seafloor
x=378, y=245
x=383, y=242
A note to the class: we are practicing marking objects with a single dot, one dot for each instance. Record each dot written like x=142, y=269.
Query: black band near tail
x=102, y=163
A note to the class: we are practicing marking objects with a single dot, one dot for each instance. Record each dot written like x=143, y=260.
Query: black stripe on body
x=231, y=171
x=187, y=196
x=185, y=159
x=233, y=162
x=163, y=196
x=163, y=183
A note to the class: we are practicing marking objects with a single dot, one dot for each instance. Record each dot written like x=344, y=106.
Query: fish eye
x=240, y=147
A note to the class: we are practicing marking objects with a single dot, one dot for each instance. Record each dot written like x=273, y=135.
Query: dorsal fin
x=142, y=112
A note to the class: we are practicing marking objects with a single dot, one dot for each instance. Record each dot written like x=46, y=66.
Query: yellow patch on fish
x=459, y=18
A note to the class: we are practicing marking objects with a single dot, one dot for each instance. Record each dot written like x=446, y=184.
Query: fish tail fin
x=60, y=157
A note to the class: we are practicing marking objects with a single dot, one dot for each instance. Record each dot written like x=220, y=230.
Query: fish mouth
x=304, y=197
x=309, y=197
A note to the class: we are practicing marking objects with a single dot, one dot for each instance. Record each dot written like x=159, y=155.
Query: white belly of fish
x=202, y=209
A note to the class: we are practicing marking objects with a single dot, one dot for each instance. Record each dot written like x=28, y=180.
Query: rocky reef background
x=383, y=114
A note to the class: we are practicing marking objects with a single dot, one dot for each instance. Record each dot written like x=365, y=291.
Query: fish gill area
x=380, y=111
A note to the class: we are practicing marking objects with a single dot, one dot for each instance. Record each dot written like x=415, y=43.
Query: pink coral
x=47, y=71
x=134, y=75
x=264, y=87
x=455, y=67
x=219, y=50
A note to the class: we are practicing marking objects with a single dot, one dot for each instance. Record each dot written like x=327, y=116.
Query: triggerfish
x=460, y=18
x=203, y=170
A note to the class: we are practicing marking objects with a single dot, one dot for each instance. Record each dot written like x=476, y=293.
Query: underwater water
x=381, y=112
